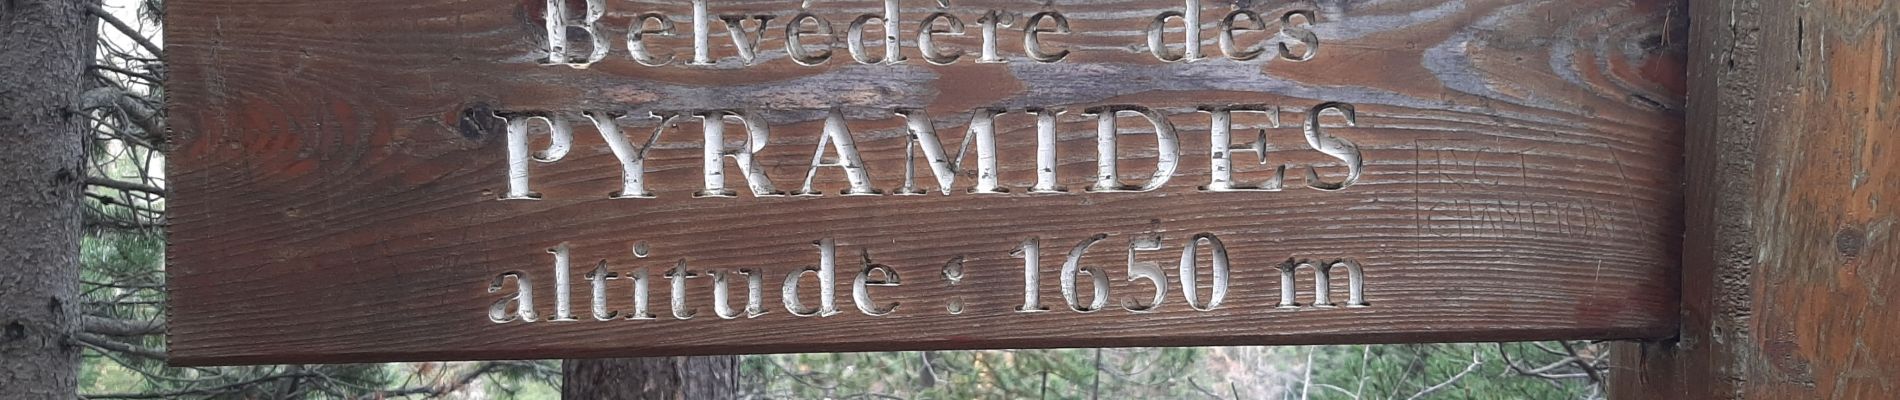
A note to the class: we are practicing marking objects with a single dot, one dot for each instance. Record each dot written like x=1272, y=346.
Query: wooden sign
x=363, y=180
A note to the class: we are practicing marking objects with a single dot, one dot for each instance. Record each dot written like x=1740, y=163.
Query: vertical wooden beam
x=1791, y=255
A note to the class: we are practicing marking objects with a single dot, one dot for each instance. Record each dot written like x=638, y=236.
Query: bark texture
x=45, y=46
x=654, y=378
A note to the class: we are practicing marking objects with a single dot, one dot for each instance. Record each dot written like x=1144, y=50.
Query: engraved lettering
x=561, y=132
x=641, y=295
x=1167, y=155
x=565, y=28
x=1322, y=283
x=746, y=41
x=1288, y=294
x=563, y=296
x=702, y=34
x=716, y=151
x=637, y=34
x=1355, y=283
x=679, y=274
x=923, y=135
x=519, y=304
x=990, y=21
x=953, y=276
x=754, y=292
x=1334, y=146
x=838, y=137
x=1031, y=253
x=826, y=271
x=1191, y=23
x=927, y=44
x=1046, y=150
x=1032, y=36
x=1189, y=275
x=632, y=159
x=854, y=37
x=795, y=47
x=1229, y=46
x=558, y=25
x=1301, y=33
x=639, y=278
x=754, y=301
x=1069, y=271
x=597, y=279
x=722, y=296
x=837, y=147
x=1243, y=34
x=1222, y=149
x=1146, y=270
x=562, y=138
x=861, y=293
x=522, y=298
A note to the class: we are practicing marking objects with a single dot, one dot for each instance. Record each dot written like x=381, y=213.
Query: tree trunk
x=655, y=378
x=45, y=46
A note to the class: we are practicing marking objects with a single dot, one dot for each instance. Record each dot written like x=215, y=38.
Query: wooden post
x=1793, y=175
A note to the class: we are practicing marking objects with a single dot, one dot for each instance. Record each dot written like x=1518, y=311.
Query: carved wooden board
x=364, y=180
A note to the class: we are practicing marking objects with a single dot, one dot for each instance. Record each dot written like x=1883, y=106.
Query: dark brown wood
x=1791, y=252
x=337, y=174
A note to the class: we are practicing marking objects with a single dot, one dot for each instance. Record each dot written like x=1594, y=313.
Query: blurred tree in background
x=122, y=261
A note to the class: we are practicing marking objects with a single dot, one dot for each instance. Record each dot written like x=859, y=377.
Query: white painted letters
x=827, y=277
x=557, y=23
x=838, y=136
x=523, y=299
x=1167, y=157
x=1339, y=148
x=1222, y=149
x=716, y=151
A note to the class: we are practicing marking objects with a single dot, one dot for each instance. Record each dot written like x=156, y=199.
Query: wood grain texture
x=1791, y=253
x=331, y=205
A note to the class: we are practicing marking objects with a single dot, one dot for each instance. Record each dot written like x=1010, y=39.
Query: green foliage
x=1428, y=371
x=1474, y=371
x=999, y=374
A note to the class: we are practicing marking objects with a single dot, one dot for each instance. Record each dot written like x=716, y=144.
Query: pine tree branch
x=106, y=344
x=431, y=391
x=126, y=186
x=127, y=72
x=122, y=327
x=96, y=219
x=203, y=391
x=124, y=28
x=137, y=111
x=1475, y=362
x=1596, y=378
x=104, y=200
